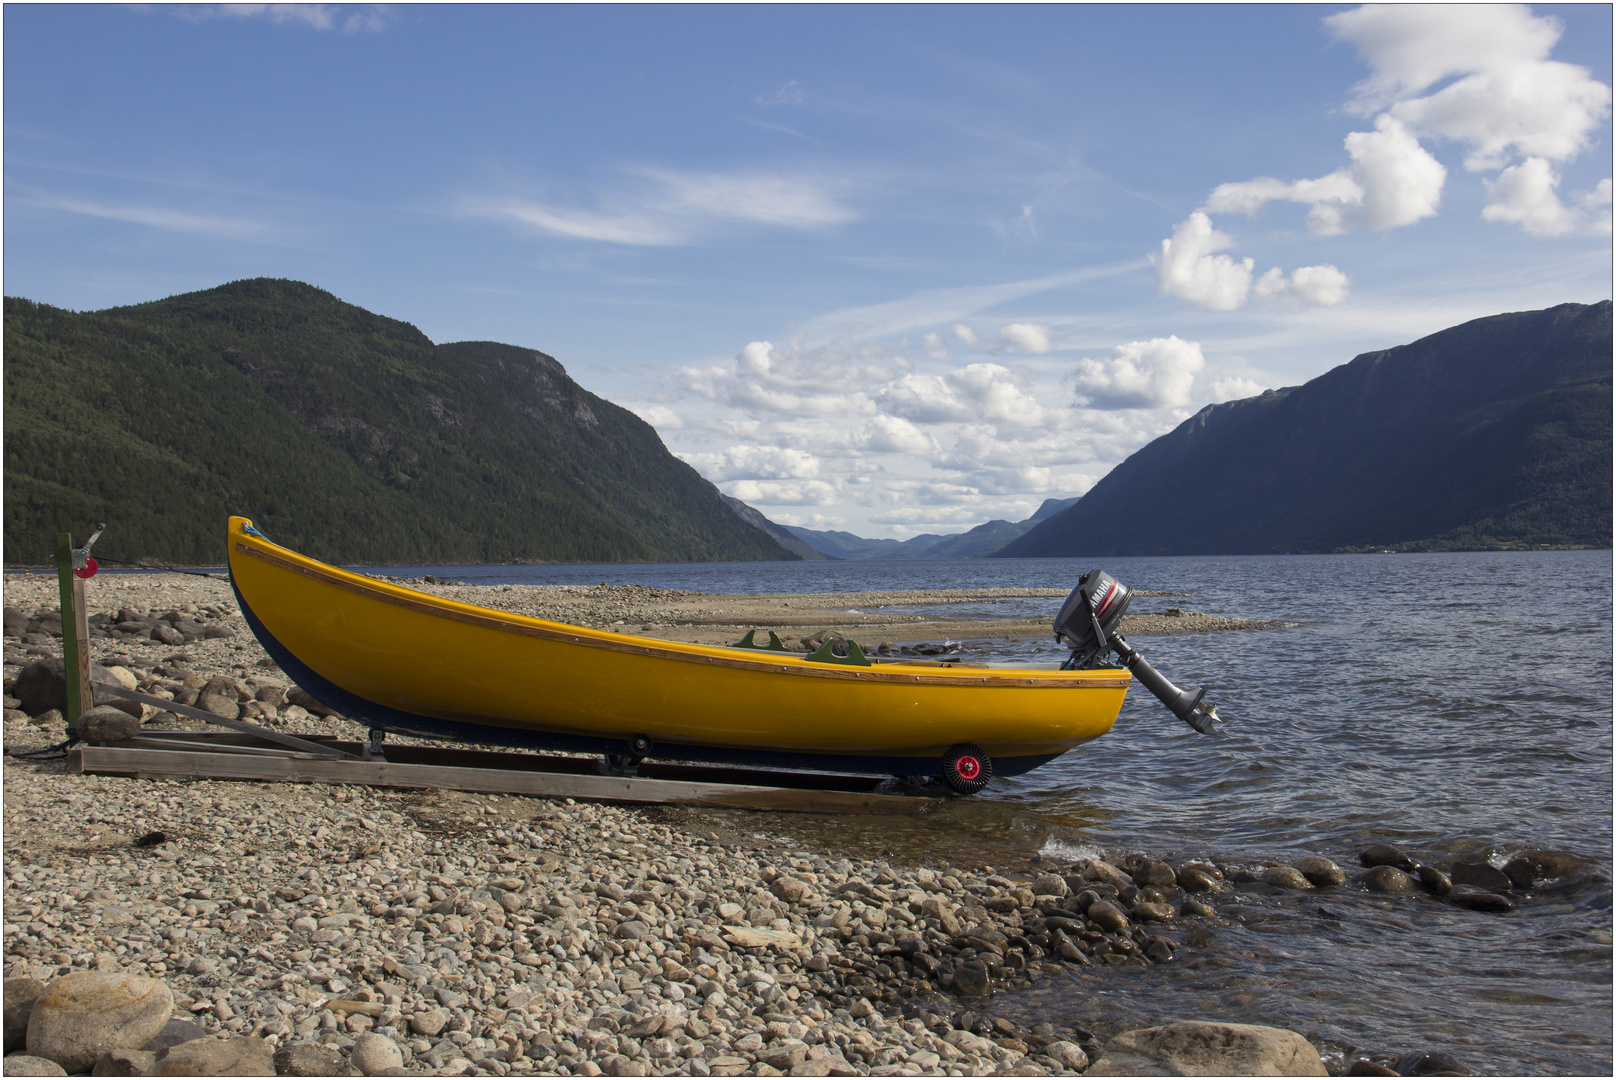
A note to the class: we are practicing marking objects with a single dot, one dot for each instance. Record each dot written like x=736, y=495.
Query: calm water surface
x=1454, y=705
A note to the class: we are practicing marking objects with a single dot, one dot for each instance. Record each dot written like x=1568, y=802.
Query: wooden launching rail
x=240, y=755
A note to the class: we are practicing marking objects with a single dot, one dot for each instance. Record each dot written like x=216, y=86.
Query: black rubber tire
x=966, y=768
x=639, y=745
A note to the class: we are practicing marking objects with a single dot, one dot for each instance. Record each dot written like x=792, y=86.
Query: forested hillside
x=344, y=434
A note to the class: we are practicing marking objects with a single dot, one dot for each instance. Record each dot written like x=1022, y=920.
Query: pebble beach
x=324, y=929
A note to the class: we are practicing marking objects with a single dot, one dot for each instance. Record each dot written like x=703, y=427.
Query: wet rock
x=1320, y=871
x=84, y=1014
x=1435, y=881
x=1197, y=1048
x=125, y=1063
x=1284, y=877
x=242, y=1055
x=1527, y=868
x=1430, y=1064
x=1049, y=885
x=1365, y=1067
x=1107, y=917
x=311, y=1059
x=1152, y=873
x=1102, y=871
x=1386, y=878
x=373, y=1054
x=1476, y=899
x=1195, y=907
x=971, y=979
x=20, y=997
x=1385, y=855
x=1146, y=911
x=1160, y=949
x=1193, y=879
x=1483, y=875
x=105, y=724
x=29, y=1065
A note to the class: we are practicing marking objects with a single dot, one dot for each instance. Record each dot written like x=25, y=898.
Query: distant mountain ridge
x=983, y=540
x=342, y=433
x=1493, y=433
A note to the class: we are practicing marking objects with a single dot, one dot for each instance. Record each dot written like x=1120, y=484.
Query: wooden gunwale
x=618, y=643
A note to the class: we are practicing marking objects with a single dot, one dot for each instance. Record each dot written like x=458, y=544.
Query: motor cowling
x=1088, y=624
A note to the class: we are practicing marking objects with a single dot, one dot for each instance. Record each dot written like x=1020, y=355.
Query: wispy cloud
x=156, y=217
x=345, y=18
x=677, y=208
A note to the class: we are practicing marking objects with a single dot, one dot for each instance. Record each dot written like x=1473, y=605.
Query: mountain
x=344, y=434
x=782, y=535
x=983, y=540
x=1490, y=434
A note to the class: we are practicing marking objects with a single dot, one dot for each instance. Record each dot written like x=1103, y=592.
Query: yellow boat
x=408, y=662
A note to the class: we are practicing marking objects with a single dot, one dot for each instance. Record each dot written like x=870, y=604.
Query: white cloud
x=349, y=19
x=1527, y=195
x=792, y=381
x=1026, y=337
x=1392, y=182
x=789, y=94
x=1509, y=98
x=810, y=493
x=158, y=217
x=658, y=416
x=756, y=463
x=1235, y=387
x=935, y=347
x=677, y=208
x=1189, y=269
x=1315, y=286
x=1154, y=374
x=966, y=335
x=976, y=392
x=895, y=435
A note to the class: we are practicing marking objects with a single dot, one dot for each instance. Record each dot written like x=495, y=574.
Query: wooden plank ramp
x=233, y=756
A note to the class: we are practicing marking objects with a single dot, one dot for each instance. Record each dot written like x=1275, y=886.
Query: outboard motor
x=1087, y=624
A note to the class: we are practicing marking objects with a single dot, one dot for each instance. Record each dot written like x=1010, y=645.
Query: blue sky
x=890, y=269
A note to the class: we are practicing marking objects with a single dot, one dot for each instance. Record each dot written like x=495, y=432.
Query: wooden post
x=75, y=632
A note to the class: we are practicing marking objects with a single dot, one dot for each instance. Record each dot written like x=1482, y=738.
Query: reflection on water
x=1454, y=705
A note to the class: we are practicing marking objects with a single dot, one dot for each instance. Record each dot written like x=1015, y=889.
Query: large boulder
x=1199, y=1048
x=242, y=1055
x=42, y=686
x=106, y=724
x=20, y=997
x=84, y=1014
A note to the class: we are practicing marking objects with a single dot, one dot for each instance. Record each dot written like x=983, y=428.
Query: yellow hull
x=410, y=662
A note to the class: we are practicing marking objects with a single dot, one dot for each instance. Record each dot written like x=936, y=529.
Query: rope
x=59, y=748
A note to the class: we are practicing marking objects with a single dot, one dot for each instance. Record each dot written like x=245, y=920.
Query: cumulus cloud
x=895, y=435
x=935, y=347
x=976, y=392
x=1315, y=286
x=1190, y=268
x=1392, y=181
x=756, y=463
x=1026, y=337
x=1527, y=195
x=789, y=381
x=1154, y=374
x=1235, y=387
x=1509, y=99
x=966, y=335
x=658, y=416
x=810, y=493
x=676, y=208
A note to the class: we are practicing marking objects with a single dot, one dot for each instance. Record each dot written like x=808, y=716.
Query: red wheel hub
x=968, y=767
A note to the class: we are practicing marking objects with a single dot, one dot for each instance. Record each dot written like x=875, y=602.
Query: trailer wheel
x=967, y=769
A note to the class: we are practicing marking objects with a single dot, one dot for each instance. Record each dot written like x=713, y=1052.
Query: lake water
x=1455, y=705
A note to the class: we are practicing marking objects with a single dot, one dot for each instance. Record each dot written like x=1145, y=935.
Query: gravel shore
x=484, y=934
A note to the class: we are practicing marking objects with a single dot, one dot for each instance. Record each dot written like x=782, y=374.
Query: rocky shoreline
x=316, y=930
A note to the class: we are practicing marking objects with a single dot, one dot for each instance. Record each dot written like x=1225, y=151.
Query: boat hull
x=413, y=663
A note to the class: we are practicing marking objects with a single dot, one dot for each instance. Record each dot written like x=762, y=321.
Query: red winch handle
x=84, y=564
